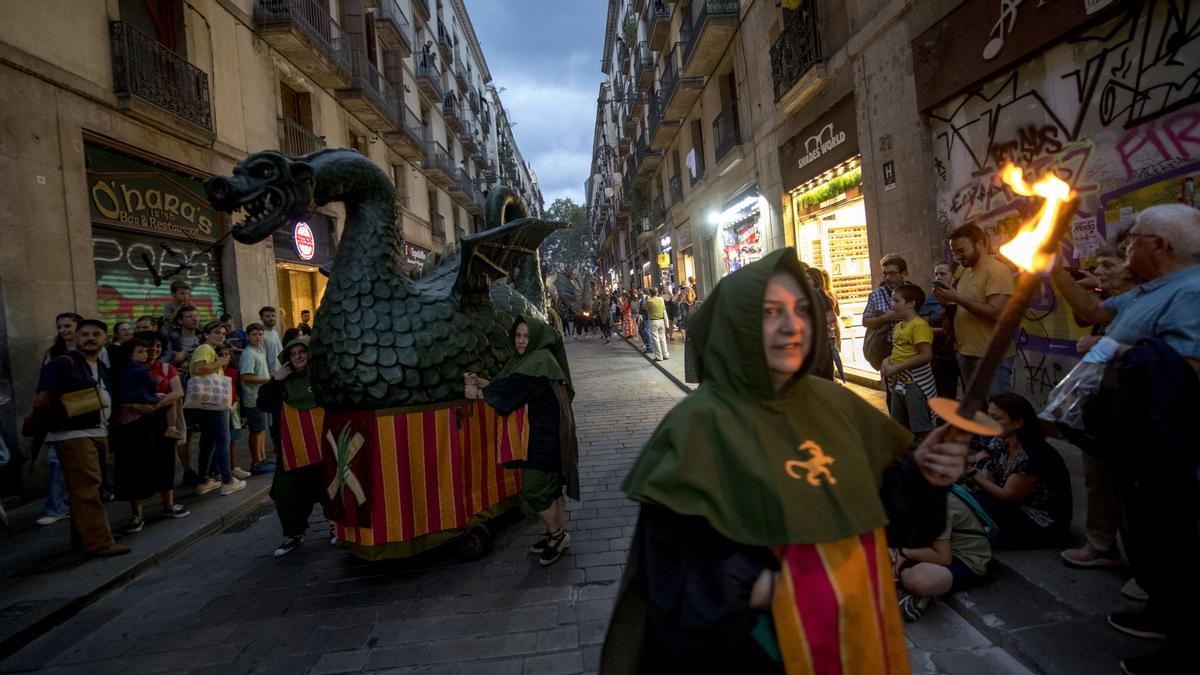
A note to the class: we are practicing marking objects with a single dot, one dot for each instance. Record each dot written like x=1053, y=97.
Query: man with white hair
x=1145, y=413
x=1162, y=247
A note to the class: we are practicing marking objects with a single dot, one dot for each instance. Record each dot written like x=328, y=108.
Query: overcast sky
x=545, y=55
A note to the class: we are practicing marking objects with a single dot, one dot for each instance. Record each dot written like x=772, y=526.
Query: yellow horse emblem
x=815, y=466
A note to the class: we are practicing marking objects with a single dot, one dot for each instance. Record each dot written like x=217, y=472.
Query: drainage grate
x=247, y=521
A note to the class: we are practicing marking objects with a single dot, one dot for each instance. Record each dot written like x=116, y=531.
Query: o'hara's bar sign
x=151, y=201
x=818, y=145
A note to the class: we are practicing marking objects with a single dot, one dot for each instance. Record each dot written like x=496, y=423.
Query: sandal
x=555, y=545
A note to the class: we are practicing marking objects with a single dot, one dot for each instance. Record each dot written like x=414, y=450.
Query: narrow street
x=225, y=605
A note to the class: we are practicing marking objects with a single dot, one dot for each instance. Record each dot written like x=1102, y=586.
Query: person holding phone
x=941, y=319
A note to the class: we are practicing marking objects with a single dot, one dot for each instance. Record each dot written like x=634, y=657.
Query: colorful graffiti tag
x=125, y=284
x=1114, y=111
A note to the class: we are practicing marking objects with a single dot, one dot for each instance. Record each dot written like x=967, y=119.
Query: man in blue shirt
x=1162, y=247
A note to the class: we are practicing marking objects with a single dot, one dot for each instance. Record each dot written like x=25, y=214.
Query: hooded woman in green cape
x=760, y=542
x=299, y=479
x=540, y=378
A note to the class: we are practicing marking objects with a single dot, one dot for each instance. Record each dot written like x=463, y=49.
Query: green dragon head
x=273, y=190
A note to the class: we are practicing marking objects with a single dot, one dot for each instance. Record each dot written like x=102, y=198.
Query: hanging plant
x=630, y=30
x=838, y=186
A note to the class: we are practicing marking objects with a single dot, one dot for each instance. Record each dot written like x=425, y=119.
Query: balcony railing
x=367, y=78
x=445, y=42
x=676, y=185
x=657, y=16
x=671, y=70
x=395, y=30
x=144, y=68
x=726, y=134
x=654, y=114
x=464, y=80
x=295, y=139
x=797, y=50
x=643, y=65
x=428, y=74
x=701, y=10
x=314, y=22
x=438, y=160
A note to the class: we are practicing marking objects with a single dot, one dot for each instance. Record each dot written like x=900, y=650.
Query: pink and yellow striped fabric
x=837, y=613
x=423, y=472
x=301, y=441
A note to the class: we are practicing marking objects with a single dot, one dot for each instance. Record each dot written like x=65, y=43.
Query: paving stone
x=554, y=664
x=341, y=662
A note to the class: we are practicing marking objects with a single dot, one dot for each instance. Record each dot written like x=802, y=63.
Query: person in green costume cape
x=763, y=467
x=539, y=377
x=294, y=489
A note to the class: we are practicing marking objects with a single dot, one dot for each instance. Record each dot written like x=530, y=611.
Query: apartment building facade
x=728, y=128
x=117, y=110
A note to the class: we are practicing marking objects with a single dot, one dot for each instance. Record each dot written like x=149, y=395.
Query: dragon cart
x=409, y=464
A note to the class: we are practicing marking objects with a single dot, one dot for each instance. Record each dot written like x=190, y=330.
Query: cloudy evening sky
x=545, y=54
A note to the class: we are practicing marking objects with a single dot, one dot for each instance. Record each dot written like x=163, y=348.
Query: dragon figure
x=383, y=338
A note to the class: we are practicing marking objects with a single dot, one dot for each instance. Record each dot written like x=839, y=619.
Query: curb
x=23, y=637
x=670, y=376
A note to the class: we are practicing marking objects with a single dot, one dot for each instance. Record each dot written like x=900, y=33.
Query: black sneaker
x=1137, y=624
x=540, y=544
x=289, y=544
x=912, y=607
x=554, y=549
x=135, y=525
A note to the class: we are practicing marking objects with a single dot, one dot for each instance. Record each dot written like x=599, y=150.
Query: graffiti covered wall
x=1113, y=110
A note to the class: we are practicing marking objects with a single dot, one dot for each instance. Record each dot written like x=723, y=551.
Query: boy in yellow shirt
x=907, y=373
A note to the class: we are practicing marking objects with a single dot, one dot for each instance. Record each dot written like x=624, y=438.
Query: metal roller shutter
x=125, y=286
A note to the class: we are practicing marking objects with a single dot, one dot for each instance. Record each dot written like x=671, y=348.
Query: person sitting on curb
x=958, y=559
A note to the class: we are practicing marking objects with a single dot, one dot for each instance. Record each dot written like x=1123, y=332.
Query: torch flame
x=1026, y=249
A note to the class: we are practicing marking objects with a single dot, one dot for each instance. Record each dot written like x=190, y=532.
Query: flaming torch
x=1032, y=250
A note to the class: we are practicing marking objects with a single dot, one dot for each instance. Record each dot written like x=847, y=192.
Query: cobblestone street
x=225, y=605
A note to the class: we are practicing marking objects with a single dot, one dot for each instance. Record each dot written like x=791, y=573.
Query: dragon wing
x=504, y=249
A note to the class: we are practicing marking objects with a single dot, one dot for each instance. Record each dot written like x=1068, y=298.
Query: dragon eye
x=264, y=171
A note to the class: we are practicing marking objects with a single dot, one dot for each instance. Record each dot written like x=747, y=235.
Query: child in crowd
x=906, y=373
x=181, y=296
x=958, y=559
x=224, y=357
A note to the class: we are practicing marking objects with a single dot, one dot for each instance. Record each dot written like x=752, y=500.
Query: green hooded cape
x=739, y=454
x=546, y=356
x=298, y=385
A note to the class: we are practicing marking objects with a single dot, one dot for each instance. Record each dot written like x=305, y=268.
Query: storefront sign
x=309, y=242
x=414, y=258
x=982, y=37
x=130, y=194
x=306, y=244
x=664, y=260
x=831, y=139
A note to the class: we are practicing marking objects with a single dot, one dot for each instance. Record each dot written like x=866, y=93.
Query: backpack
x=876, y=346
x=990, y=528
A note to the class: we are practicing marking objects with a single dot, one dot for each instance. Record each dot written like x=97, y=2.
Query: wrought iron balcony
x=429, y=80
x=445, y=42
x=305, y=33
x=393, y=28
x=658, y=22
x=453, y=114
x=726, y=134
x=438, y=165
x=297, y=140
x=473, y=99
x=369, y=97
x=460, y=72
x=409, y=139
x=797, y=51
x=147, y=71
x=714, y=23
x=643, y=68
x=676, y=185
x=421, y=9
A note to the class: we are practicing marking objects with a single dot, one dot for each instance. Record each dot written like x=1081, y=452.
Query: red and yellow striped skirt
x=837, y=612
x=419, y=471
x=300, y=441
